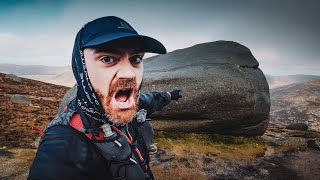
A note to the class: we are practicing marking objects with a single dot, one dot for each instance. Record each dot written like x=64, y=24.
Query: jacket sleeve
x=64, y=156
x=154, y=101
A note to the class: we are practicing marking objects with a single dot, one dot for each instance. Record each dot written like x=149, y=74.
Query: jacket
x=66, y=153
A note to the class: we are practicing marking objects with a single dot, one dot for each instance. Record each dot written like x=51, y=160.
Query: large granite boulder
x=223, y=89
x=220, y=82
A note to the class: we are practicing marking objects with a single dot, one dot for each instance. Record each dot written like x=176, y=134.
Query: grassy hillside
x=17, y=119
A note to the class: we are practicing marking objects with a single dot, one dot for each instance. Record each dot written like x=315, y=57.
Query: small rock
x=21, y=99
x=298, y=126
x=269, y=151
x=13, y=77
x=35, y=143
x=35, y=120
x=264, y=172
x=187, y=164
x=163, y=156
x=183, y=159
x=313, y=143
x=207, y=160
x=289, y=143
x=154, y=162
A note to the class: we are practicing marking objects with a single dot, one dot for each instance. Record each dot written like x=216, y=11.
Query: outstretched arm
x=154, y=101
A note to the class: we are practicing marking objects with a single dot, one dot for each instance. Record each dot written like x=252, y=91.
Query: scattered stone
x=207, y=160
x=35, y=120
x=5, y=153
x=35, y=143
x=154, y=162
x=269, y=151
x=313, y=143
x=289, y=143
x=21, y=99
x=264, y=172
x=183, y=159
x=163, y=156
x=13, y=77
x=298, y=126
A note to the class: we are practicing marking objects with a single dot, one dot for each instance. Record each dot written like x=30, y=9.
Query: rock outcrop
x=13, y=77
x=223, y=89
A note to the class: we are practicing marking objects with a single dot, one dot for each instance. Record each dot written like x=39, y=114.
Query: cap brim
x=150, y=45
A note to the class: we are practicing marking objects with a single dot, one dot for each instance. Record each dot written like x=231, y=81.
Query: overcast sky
x=282, y=34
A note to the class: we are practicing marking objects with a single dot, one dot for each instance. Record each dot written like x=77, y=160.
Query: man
x=95, y=137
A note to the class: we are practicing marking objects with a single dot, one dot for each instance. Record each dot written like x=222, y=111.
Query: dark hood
x=87, y=101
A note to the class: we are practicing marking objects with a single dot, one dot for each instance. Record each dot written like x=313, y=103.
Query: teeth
x=122, y=103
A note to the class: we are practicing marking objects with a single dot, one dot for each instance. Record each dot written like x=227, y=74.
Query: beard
x=115, y=114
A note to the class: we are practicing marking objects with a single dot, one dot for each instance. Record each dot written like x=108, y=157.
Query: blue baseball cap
x=107, y=29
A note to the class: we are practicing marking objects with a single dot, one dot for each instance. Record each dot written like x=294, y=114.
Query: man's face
x=115, y=72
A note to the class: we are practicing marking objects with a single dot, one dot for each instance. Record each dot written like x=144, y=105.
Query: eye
x=107, y=59
x=136, y=59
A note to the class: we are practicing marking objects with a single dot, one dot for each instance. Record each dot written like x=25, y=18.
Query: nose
x=126, y=70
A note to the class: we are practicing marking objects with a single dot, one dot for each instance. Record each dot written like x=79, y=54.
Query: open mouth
x=123, y=95
x=124, y=98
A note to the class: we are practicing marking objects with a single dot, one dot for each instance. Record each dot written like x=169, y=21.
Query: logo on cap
x=124, y=25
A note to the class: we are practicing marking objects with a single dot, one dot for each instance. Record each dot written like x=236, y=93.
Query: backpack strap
x=76, y=123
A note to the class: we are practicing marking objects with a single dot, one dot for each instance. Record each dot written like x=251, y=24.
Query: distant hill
x=16, y=119
x=60, y=75
x=280, y=81
x=32, y=69
x=297, y=103
x=64, y=79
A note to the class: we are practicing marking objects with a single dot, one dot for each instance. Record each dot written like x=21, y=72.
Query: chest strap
x=76, y=123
